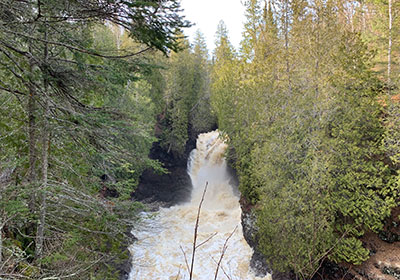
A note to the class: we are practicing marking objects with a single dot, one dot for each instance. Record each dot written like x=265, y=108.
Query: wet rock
x=124, y=268
x=164, y=190
x=259, y=265
x=249, y=227
x=395, y=272
x=283, y=276
x=258, y=262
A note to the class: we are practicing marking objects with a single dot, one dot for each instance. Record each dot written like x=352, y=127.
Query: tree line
x=86, y=88
x=308, y=104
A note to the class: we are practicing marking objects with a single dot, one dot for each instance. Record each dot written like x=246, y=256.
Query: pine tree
x=187, y=96
x=223, y=79
x=202, y=119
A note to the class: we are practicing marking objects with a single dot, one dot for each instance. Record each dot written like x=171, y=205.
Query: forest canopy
x=308, y=104
x=78, y=114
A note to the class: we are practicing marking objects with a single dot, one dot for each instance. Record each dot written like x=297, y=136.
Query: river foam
x=165, y=235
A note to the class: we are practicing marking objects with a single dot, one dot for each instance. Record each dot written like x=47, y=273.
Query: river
x=164, y=236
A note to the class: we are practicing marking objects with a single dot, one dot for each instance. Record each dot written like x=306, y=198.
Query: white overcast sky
x=206, y=14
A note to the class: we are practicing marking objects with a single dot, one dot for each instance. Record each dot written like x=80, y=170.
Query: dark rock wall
x=168, y=189
x=258, y=262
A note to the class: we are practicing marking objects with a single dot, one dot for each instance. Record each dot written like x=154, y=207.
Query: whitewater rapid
x=162, y=236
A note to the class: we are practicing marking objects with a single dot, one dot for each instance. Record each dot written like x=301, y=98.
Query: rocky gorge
x=166, y=190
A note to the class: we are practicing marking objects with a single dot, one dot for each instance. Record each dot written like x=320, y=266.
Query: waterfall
x=162, y=236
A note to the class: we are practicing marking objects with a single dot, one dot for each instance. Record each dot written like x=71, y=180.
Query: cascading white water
x=162, y=236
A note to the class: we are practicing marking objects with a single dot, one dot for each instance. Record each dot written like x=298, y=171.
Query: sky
x=206, y=14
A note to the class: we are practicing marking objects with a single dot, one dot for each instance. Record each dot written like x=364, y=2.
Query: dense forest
x=82, y=85
x=308, y=105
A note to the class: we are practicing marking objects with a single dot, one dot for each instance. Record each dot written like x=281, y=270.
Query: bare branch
x=179, y=273
x=11, y=90
x=70, y=47
x=208, y=239
x=223, y=270
x=186, y=261
x=223, y=252
x=195, y=231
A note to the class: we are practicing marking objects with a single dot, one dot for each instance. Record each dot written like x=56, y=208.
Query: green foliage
x=223, y=79
x=186, y=97
x=300, y=108
x=392, y=134
x=350, y=250
x=103, y=94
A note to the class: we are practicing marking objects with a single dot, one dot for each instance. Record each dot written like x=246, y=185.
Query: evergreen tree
x=82, y=123
x=301, y=112
x=187, y=96
x=202, y=119
x=223, y=78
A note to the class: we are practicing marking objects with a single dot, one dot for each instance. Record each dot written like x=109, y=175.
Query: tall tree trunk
x=45, y=158
x=286, y=17
x=32, y=146
x=389, y=81
x=45, y=164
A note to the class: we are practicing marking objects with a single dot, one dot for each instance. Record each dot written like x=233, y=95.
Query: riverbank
x=165, y=190
x=157, y=190
x=165, y=235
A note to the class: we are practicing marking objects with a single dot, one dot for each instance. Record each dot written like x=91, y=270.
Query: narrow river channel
x=164, y=236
